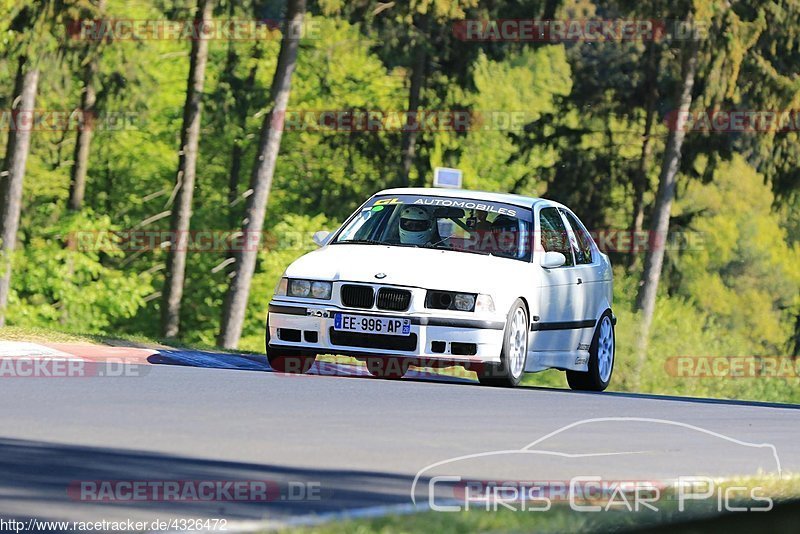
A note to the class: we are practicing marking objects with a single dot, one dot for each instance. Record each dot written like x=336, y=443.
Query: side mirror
x=321, y=237
x=551, y=260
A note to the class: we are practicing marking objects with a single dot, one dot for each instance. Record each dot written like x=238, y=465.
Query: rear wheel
x=387, y=367
x=514, y=354
x=601, y=359
x=288, y=360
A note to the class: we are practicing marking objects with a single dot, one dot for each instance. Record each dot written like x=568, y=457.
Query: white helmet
x=416, y=226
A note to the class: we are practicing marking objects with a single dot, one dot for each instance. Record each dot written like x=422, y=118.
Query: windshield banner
x=468, y=204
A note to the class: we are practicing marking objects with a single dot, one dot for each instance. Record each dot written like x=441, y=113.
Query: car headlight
x=450, y=300
x=464, y=301
x=299, y=288
x=280, y=289
x=321, y=290
x=484, y=303
x=311, y=289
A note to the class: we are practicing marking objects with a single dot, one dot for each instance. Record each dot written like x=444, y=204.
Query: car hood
x=408, y=266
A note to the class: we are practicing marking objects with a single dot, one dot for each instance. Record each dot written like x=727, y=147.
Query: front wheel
x=601, y=359
x=509, y=371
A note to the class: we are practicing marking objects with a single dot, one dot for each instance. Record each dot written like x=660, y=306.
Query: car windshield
x=462, y=225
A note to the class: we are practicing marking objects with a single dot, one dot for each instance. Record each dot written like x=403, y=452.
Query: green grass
x=42, y=335
x=19, y=333
x=561, y=518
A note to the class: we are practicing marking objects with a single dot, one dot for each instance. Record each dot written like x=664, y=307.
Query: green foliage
x=332, y=171
x=71, y=278
x=508, y=95
x=747, y=274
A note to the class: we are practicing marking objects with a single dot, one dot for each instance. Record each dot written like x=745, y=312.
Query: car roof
x=507, y=198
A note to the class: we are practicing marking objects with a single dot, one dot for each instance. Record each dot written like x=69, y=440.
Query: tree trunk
x=83, y=141
x=237, y=150
x=261, y=181
x=654, y=260
x=640, y=179
x=19, y=141
x=550, y=8
x=233, y=179
x=77, y=184
x=408, y=141
x=184, y=182
x=229, y=75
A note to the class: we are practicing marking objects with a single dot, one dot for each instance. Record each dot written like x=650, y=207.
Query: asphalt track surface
x=332, y=444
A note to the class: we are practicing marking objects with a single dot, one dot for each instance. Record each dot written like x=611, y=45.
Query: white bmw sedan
x=499, y=284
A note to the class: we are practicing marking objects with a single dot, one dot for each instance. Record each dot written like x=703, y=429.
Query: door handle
x=580, y=281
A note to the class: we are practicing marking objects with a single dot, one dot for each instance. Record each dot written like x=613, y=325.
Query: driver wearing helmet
x=416, y=226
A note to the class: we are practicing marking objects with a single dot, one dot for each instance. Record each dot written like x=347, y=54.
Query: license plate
x=371, y=325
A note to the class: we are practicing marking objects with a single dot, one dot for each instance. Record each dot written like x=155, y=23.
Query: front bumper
x=432, y=337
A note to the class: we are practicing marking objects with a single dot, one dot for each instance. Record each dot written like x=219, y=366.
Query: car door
x=558, y=292
x=591, y=278
x=588, y=281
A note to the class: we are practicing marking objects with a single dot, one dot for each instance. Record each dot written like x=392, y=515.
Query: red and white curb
x=30, y=359
x=103, y=353
x=24, y=349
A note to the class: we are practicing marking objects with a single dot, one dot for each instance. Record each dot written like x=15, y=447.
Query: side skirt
x=574, y=361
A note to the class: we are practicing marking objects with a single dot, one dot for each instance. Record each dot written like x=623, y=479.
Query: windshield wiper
x=435, y=245
x=361, y=242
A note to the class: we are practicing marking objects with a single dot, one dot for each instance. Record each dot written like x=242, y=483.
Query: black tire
x=287, y=360
x=592, y=380
x=501, y=374
x=391, y=368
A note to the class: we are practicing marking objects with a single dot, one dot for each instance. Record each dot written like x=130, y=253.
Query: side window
x=554, y=234
x=584, y=252
x=369, y=224
x=361, y=226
